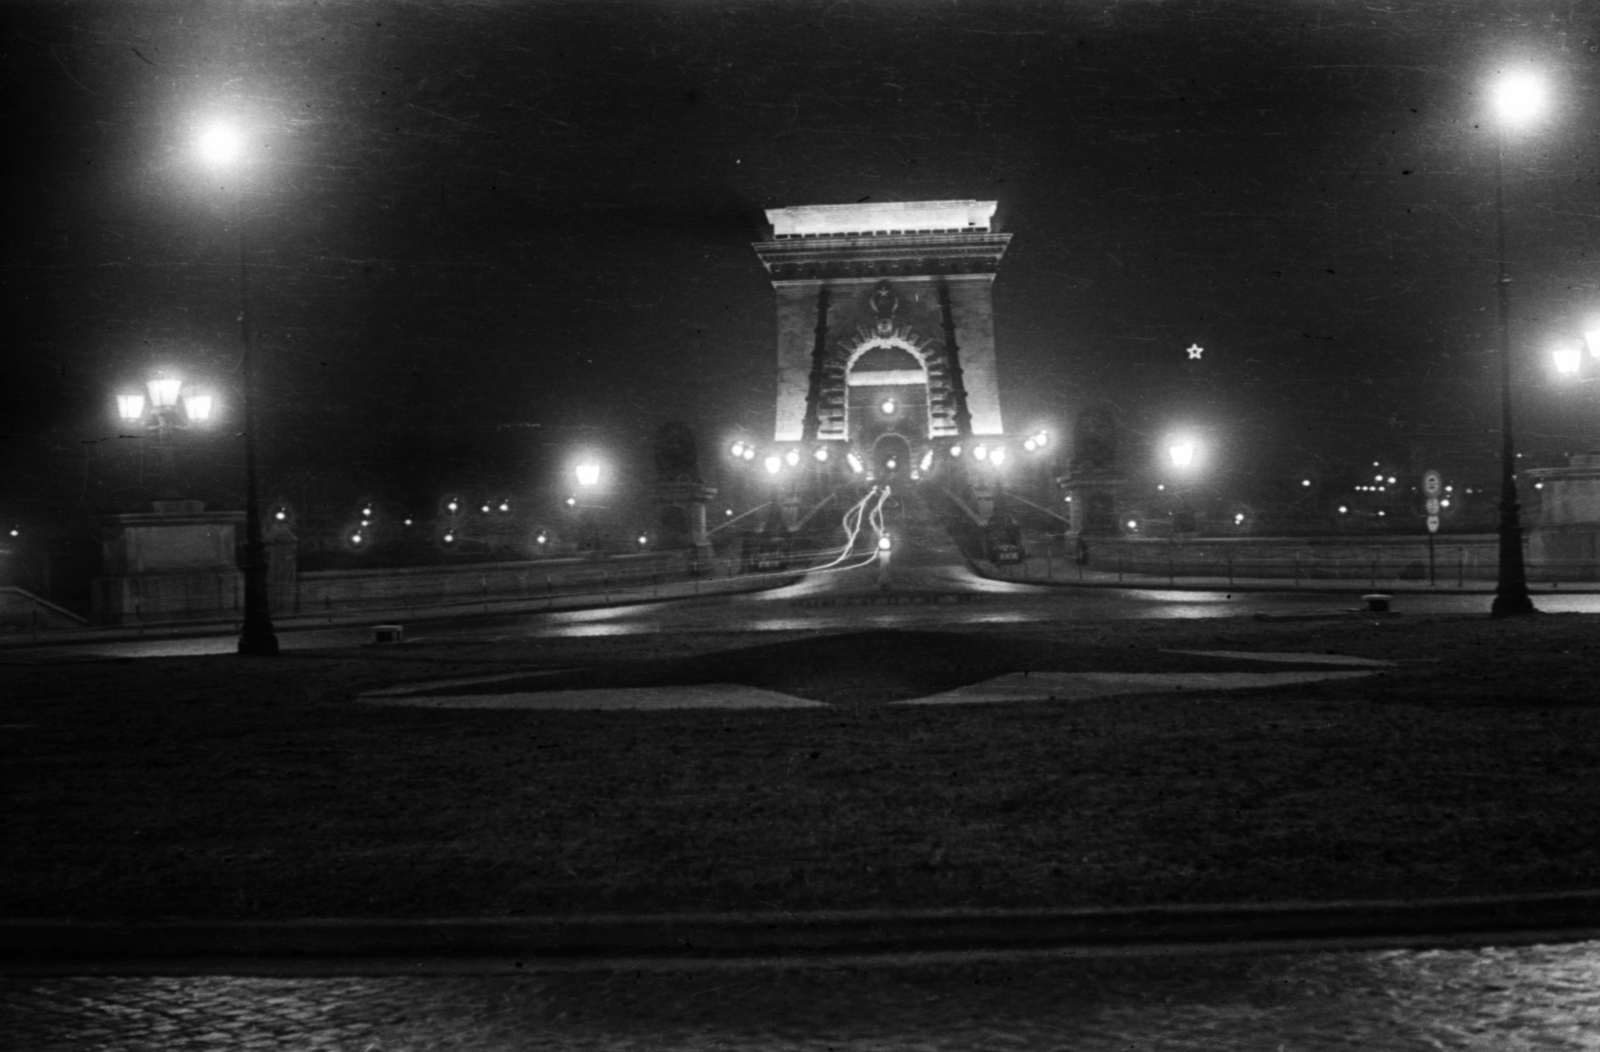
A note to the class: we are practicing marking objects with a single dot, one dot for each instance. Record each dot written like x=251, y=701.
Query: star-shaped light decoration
x=1195, y=351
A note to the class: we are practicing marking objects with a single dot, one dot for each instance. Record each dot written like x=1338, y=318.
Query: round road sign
x=1433, y=505
x=1430, y=483
x=1433, y=524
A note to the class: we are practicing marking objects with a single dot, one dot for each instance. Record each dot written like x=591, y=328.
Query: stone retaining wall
x=465, y=584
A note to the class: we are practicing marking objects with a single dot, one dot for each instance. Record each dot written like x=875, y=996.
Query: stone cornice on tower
x=828, y=242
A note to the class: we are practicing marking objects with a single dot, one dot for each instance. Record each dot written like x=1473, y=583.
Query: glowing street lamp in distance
x=1569, y=359
x=1182, y=453
x=588, y=473
x=773, y=464
x=164, y=391
x=130, y=407
x=198, y=407
x=792, y=457
x=219, y=144
x=1518, y=97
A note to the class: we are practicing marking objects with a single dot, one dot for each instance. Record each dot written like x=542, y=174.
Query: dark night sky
x=484, y=233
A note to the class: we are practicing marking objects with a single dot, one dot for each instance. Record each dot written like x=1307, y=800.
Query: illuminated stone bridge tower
x=885, y=324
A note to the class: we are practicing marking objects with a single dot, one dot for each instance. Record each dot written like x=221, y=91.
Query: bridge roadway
x=929, y=584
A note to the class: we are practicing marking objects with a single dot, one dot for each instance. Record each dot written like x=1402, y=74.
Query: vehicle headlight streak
x=853, y=519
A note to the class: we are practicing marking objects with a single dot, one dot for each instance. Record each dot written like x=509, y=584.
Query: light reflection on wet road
x=1545, y=997
x=796, y=608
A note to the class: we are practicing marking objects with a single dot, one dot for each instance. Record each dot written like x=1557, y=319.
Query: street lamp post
x=1516, y=98
x=221, y=146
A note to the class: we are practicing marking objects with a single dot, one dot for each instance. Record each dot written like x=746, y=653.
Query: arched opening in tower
x=891, y=455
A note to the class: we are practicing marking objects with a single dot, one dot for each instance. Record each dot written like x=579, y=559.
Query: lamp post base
x=1512, y=604
x=261, y=643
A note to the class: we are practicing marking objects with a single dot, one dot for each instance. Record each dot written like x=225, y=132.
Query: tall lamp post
x=222, y=147
x=1517, y=98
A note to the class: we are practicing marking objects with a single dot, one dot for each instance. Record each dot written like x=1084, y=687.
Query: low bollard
x=388, y=633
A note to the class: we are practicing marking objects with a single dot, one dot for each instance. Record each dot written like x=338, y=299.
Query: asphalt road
x=837, y=601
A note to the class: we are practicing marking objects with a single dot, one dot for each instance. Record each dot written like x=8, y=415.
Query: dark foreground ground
x=230, y=787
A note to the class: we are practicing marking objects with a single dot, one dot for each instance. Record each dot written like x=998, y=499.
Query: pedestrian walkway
x=1064, y=572
x=436, y=611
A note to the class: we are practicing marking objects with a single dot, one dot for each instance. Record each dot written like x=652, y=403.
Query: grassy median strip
x=233, y=787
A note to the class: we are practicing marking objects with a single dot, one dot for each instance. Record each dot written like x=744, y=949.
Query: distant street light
x=1569, y=359
x=1518, y=98
x=588, y=473
x=166, y=395
x=222, y=146
x=1182, y=452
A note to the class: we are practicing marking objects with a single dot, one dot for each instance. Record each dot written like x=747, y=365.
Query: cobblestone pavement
x=1529, y=997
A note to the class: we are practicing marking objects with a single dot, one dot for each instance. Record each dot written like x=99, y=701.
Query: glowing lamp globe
x=588, y=474
x=1182, y=454
x=198, y=407
x=219, y=145
x=164, y=391
x=1518, y=97
x=130, y=407
x=1568, y=360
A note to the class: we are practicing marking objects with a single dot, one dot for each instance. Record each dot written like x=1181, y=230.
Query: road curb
x=706, y=937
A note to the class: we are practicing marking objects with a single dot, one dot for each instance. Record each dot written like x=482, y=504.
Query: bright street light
x=1569, y=358
x=166, y=394
x=164, y=391
x=1182, y=453
x=1518, y=97
x=588, y=473
x=219, y=145
x=197, y=407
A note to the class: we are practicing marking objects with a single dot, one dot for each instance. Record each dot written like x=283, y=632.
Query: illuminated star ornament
x=1195, y=351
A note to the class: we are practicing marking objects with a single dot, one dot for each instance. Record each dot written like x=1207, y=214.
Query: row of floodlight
x=775, y=461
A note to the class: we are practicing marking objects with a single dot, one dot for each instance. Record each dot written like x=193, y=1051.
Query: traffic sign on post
x=1431, y=483
x=1433, y=524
